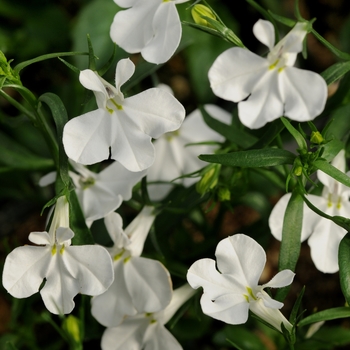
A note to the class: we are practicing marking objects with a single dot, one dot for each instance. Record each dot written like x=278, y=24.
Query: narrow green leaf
x=10, y=346
x=330, y=170
x=60, y=117
x=284, y=20
x=24, y=64
x=239, y=137
x=335, y=72
x=252, y=158
x=92, y=60
x=82, y=234
x=291, y=232
x=295, y=133
x=326, y=315
x=344, y=267
x=296, y=307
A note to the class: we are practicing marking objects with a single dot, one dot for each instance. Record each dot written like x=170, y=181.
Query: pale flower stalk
x=121, y=128
x=268, y=88
x=231, y=289
x=150, y=27
x=68, y=269
x=176, y=157
x=323, y=235
x=147, y=331
x=141, y=285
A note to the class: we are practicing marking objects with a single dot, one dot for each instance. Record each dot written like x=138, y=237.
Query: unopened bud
x=316, y=137
x=224, y=194
x=209, y=179
x=198, y=11
x=72, y=327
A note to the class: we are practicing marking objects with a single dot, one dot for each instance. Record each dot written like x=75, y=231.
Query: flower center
x=170, y=135
x=250, y=296
x=86, y=182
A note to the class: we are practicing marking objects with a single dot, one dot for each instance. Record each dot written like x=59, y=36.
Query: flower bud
x=72, y=327
x=316, y=137
x=198, y=11
x=224, y=194
x=209, y=179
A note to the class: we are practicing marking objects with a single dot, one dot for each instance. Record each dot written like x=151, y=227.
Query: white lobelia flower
x=121, y=127
x=233, y=290
x=174, y=158
x=147, y=331
x=268, y=88
x=68, y=270
x=100, y=193
x=140, y=284
x=323, y=235
x=151, y=27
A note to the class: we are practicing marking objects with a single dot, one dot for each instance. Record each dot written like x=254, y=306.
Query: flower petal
x=304, y=93
x=282, y=279
x=241, y=257
x=155, y=111
x=166, y=34
x=129, y=335
x=157, y=337
x=124, y=71
x=111, y=307
x=87, y=138
x=114, y=225
x=148, y=283
x=24, y=270
x=64, y=235
x=265, y=33
x=48, y=179
x=235, y=72
x=40, y=238
x=229, y=308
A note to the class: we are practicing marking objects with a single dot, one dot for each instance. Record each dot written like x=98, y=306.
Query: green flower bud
x=224, y=194
x=316, y=137
x=72, y=327
x=198, y=11
x=209, y=179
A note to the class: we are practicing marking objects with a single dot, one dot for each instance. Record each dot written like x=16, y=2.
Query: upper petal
x=87, y=138
x=114, y=225
x=241, y=257
x=157, y=337
x=40, y=238
x=282, y=279
x=235, y=72
x=304, y=93
x=24, y=270
x=264, y=31
x=166, y=34
x=124, y=71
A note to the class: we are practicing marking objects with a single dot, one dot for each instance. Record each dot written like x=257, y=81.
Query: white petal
x=91, y=81
x=166, y=34
x=148, y=283
x=265, y=103
x=48, y=179
x=40, y=238
x=282, y=279
x=64, y=235
x=272, y=316
x=241, y=257
x=111, y=307
x=155, y=111
x=157, y=337
x=114, y=225
x=229, y=308
x=137, y=25
x=293, y=41
x=93, y=278
x=129, y=335
x=126, y=3
x=87, y=138
x=124, y=71
x=138, y=230
x=235, y=72
x=265, y=33
x=203, y=273
x=24, y=270
x=180, y=296
x=268, y=301
x=304, y=93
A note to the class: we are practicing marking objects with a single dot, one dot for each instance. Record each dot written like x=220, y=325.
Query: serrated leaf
x=252, y=158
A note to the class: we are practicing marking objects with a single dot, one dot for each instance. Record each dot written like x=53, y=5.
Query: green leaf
x=294, y=313
x=231, y=133
x=330, y=170
x=15, y=156
x=10, y=346
x=295, y=133
x=291, y=232
x=82, y=234
x=344, y=266
x=326, y=315
x=60, y=117
x=335, y=72
x=331, y=149
x=252, y=158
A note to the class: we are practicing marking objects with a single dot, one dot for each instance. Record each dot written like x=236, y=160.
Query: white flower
x=323, y=235
x=174, y=158
x=140, y=284
x=230, y=292
x=68, y=270
x=151, y=27
x=121, y=126
x=147, y=331
x=273, y=86
x=100, y=193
